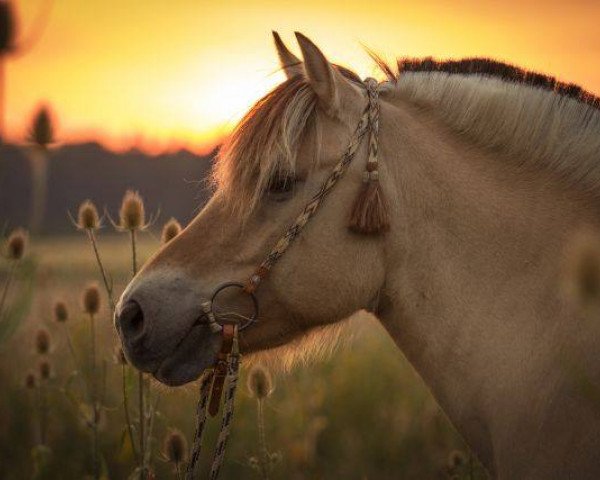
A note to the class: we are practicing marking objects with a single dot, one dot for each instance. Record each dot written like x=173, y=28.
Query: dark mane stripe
x=501, y=70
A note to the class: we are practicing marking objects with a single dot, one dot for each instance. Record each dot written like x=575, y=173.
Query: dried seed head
x=260, y=384
x=61, y=313
x=30, y=381
x=132, y=214
x=87, y=216
x=45, y=369
x=583, y=270
x=42, y=341
x=170, y=230
x=119, y=356
x=16, y=244
x=91, y=299
x=175, y=447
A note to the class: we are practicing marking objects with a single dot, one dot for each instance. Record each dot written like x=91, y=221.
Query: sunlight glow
x=161, y=75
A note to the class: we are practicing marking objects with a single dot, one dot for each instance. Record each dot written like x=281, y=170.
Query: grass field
x=360, y=414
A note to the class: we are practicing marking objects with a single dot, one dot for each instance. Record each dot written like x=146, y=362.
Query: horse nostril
x=131, y=322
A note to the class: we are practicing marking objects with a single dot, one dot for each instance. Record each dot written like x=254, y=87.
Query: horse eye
x=282, y=184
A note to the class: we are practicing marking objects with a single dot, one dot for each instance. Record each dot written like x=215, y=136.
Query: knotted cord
x=369, y=121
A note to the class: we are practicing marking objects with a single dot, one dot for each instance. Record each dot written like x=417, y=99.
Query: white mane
x=536, y=126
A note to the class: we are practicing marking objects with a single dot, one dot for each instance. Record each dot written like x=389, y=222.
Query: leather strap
x=220, y=372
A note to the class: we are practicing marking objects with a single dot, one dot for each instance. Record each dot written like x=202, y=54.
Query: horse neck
x=473, y=289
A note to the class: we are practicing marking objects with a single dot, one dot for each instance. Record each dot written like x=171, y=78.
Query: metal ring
x=252, y=319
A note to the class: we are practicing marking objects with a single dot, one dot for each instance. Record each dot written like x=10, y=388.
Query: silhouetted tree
x=11, y=46
x=41, y=135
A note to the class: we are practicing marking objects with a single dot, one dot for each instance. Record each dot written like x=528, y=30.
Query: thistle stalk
x=260, y=385
x=126, y=410
x=262, y=443
x=6, y=287
x=94, y=399
x=16, y=245
x=107, y=286
x=91, y=306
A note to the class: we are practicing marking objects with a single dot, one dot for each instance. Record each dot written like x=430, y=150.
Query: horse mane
x=533, y=118
x=264, y=144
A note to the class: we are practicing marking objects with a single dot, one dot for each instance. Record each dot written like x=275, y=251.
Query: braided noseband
x=227, y=367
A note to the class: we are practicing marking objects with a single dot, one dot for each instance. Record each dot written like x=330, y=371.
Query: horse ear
x=326, y=81
x=290, y=63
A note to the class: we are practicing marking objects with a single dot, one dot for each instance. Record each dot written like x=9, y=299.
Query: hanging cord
x=207, y=385
x=200, y=423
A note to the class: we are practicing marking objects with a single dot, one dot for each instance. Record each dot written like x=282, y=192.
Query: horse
x=485, y=171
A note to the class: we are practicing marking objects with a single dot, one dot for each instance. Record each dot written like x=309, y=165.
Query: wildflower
x=61, y=313
x=42, y=341
x=30, y=380
x=259, y=382
x=132, y=215
x=16, y=244
x=91, y=299
x=87, y=216
x=175, y=447
x=45, y=369
x=171, y=229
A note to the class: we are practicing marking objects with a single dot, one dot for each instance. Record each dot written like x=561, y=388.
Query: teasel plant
x=89, y=221
x=260, y=385
x=14, y=46
x=175, y=451
x=132, y=220
x=91, y=306
x=38, y=383
x=15, y=249
x=42, y=345
x=41, y=136
x=170, y=230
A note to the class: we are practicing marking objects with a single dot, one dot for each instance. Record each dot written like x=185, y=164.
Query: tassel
x=370, y=213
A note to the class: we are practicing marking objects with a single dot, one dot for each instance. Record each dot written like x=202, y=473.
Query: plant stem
x=43, y=412
x=127, y=416
x=133, y=253
x=107, y=286
x=7, y=284
x=262, y=443
x=94, y=400
x=141, y=403
x=142, y=411
x=470, y=466
x=151, y=418
x=71, y=348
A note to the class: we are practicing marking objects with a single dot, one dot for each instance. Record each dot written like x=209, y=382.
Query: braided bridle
x=228, y=361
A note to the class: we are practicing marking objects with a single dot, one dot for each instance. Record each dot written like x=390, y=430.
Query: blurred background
x=102, y=96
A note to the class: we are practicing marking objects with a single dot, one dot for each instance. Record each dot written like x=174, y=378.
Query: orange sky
x=158, y=74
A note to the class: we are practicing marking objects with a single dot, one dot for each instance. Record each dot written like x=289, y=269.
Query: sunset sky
x=161, y=74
